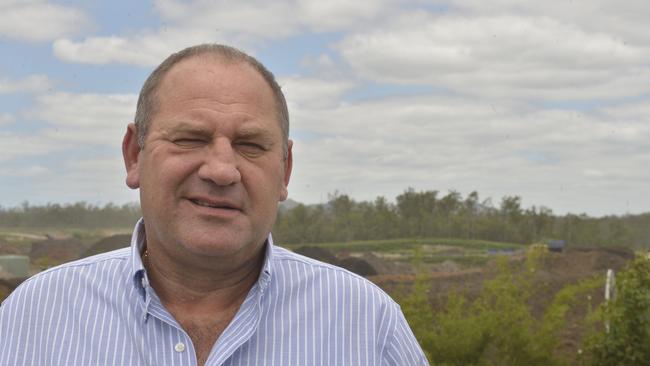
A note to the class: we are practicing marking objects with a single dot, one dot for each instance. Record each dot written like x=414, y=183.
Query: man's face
x=212, y=170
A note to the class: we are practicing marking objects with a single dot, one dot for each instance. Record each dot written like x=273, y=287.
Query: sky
x=547, y=100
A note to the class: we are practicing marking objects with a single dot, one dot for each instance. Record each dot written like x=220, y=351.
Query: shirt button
x=179, y=347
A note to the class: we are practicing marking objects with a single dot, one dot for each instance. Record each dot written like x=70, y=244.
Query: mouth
x=216, y=204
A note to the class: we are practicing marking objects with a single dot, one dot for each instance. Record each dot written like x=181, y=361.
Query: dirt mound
x=319, y=254
x=386, y=267
x=581, y=263
x=17, y=249
x=8, y=285
x=56, y=251
x=358, y=266
x=447, y=266
x=109, y=243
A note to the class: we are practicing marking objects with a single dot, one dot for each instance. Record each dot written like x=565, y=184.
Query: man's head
x=213, y=161
x=148, y=102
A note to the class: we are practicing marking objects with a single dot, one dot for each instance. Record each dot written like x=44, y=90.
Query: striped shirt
x=101, y=311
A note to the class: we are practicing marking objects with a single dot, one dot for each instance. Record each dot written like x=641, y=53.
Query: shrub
x=628, y=340
x=498, y=327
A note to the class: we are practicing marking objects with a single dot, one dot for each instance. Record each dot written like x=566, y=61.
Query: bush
x=498, y=327
x=628, y=340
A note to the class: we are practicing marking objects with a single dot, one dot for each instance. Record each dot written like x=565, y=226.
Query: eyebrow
x=242, y=133
x=183, y=126
x=254, y=133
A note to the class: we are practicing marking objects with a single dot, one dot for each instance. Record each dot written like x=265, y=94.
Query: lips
x=214, y=203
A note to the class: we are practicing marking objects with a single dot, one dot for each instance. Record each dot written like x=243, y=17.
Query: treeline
x=413, y=214
x=431, y=214
x=77, y=215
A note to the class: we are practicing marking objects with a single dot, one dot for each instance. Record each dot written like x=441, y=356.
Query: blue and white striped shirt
x=101, y=311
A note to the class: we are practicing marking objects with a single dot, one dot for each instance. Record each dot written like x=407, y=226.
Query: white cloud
x=25, y=172
x=277, y=19
x=626, y=20
x=313, y=92
x=247, y=24
x=264, y=19
x=147, y=48
x=21, y=145
x=36, y=20
x=6, y=118
x=30, y=84
x=559, y=158
x=336, y=15
x=95, y=119
x=500, y=56
x=97, y=180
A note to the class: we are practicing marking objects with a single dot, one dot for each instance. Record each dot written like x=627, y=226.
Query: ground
x=453, y=265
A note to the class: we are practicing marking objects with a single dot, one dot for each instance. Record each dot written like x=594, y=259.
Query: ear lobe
x=288, y=165
x=131, y=153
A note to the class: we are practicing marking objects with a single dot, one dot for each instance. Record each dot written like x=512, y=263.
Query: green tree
x=498, y=327
x=628, y=340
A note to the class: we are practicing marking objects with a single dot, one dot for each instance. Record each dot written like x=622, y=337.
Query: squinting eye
x=251, y=145
x=251, y=148
x=188, y=142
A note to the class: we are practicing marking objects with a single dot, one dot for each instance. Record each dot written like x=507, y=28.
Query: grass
x=20, y=235
x=391, y=245
x=470, y=253
x=463, y=261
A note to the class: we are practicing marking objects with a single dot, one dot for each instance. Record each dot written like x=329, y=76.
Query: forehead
x=213, y=77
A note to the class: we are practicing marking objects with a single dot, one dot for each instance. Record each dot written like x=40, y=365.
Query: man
x=202, y=283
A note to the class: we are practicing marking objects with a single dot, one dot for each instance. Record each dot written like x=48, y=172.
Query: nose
x=220, y=164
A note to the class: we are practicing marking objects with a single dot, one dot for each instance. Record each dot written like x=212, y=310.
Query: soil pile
x=319, y=254
x=7, y=285
x=109, y=243
x=359, y=266
x=17, y=249
x=56, y=251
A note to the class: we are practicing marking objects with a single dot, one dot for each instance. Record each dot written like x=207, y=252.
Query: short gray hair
x=147, y=101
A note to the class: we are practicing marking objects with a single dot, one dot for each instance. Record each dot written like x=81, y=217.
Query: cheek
x=263, y=185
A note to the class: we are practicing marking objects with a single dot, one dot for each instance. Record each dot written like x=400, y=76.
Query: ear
x=288, y=164
x=131, y=153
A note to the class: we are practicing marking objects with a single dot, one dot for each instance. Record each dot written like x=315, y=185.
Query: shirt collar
x=137, y=248
x=139, y=275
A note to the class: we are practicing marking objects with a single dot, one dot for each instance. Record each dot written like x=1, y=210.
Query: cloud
x=6, y=118
x=380, y=147
x=277, y=19
x=35, y=20
x=500, y=56
x=313, y=92
x=625, y=20
x=94, y=119
x=147, y=48
x=30, y=84
x=97, y=180
x=25, y=172
x=22, y=145
x=249, y=25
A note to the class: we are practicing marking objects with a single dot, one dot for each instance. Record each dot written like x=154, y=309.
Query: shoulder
x=68, y=276
x=69, y=293
x=299, y=273
x=359, y=302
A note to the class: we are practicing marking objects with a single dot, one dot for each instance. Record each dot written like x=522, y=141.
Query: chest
x=204, y=335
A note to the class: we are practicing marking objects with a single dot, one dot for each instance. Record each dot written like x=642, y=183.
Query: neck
x=219, y=286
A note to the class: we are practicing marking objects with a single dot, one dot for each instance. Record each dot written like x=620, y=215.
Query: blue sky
x=546, y=100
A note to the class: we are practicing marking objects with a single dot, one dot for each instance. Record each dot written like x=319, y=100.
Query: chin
x=220, y=245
